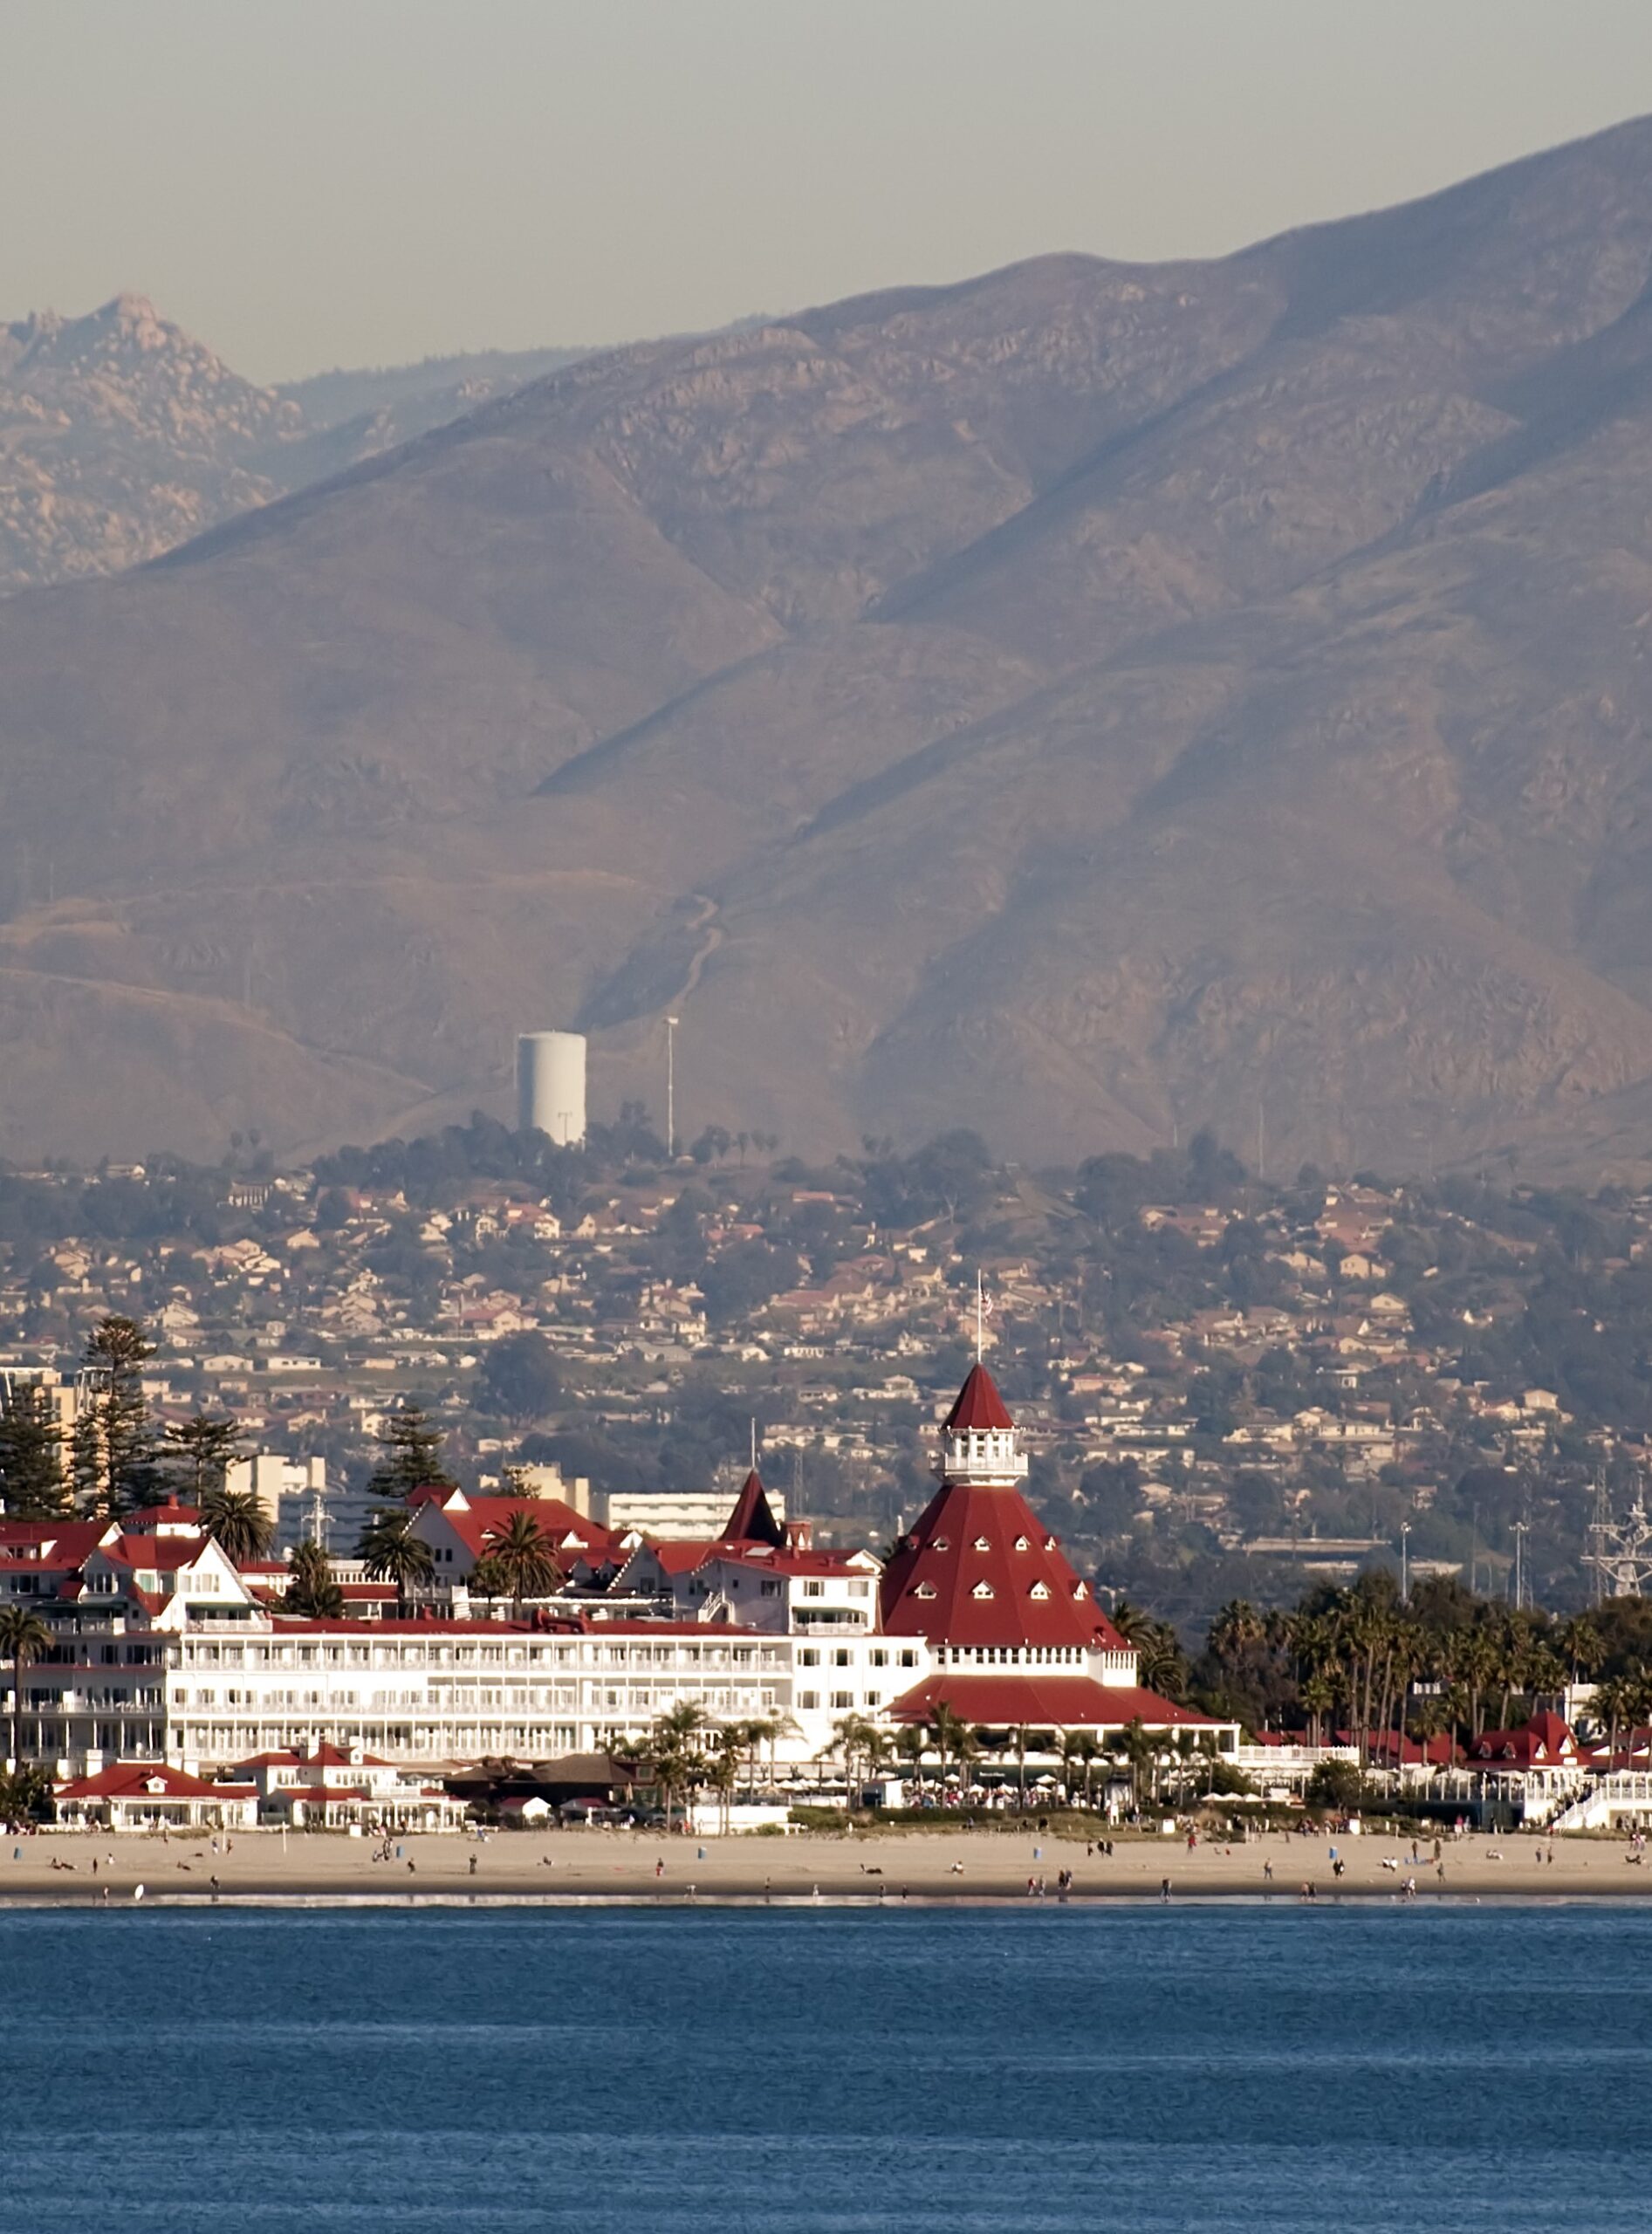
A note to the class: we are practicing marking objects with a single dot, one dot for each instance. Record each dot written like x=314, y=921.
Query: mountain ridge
x=1085, y=702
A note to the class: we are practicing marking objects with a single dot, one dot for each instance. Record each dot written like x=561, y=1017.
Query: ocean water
x=969, y=2071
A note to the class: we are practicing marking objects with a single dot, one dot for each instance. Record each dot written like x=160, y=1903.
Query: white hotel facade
x=166, y=1652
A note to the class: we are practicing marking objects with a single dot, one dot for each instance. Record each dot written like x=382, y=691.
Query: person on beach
x=1164, y=1888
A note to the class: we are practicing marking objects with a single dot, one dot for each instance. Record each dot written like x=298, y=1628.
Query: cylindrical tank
x=551, y=1085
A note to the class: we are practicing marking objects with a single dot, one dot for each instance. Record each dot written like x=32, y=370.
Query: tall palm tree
x=912, y=1743
x=1019, y=1737
x=525, y=1559
x=24, y=1637
x=1134, y=1748
x=1578, y=1643
x=945, y=1728
x=390, y=1553
x=236, y=1523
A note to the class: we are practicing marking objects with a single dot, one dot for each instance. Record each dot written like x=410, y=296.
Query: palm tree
x=311, y=1589
x=1134, y=1748
x=673, y=1751
x=1317, y=1696
x=1578, y=1641
x=723, y=1772
x=944, y=1729
x=524, y=1558
x=849, y=1738
x=911, y=1744
x=1018, y=1740
x=1087, y=1749
x=236, y=1523
x=393, y=1553
x=24, y=1637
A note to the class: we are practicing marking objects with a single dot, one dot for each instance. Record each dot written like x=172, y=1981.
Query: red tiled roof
x=980, y=1569
x=1002, y=1700
x=478, y=1518
x=130, y=1779
x=979, y=1407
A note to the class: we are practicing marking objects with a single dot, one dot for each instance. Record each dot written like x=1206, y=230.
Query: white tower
x=551, y=1085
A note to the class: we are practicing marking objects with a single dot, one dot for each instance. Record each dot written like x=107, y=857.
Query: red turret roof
x=752, y=1520
x=979, y=1407
x=980, y=1569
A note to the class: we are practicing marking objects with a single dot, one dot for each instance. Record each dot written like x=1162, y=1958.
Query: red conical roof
x=979, y=1569
x=979, y=1407
x=752, y=1520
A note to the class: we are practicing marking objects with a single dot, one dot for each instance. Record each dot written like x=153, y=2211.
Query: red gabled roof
x=480, y=1518
x=979, y=1407
x=752, y=1520
x=1056, y=1702
x=129, y=1779
x=980, y=1569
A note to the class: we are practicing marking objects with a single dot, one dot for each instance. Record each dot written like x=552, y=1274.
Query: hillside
x=122, y=435
x=1084, y=703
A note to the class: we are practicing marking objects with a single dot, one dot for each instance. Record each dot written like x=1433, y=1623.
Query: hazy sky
x=311, y=183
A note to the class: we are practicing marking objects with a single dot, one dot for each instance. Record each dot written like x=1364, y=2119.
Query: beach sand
x=966, y=1865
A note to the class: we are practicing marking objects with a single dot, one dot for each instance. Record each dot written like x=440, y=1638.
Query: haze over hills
x=121, y=436
x=1086, y=702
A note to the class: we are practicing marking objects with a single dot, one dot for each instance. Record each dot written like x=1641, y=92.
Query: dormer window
x=1039, y=1590
x=983, y=1544
x=1049, y=1544
x=940, y=1545
x=1021, y=1544
x=925, y=1590
x=1078, y=1590
x=982, y=1590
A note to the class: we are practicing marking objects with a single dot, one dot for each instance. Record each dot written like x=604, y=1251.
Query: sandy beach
x=966, y=1865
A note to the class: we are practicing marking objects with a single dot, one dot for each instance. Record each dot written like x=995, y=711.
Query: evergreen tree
x=32, y=1478
x=412, y=1456
x=113, y=1446
x=202, y=1451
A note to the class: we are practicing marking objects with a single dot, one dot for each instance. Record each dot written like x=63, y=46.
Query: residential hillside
x=1086, y=703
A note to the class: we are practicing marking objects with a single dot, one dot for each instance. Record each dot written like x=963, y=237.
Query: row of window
x=843, y=1657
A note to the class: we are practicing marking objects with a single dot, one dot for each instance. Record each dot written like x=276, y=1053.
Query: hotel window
x=808, y=1660
x=841, y=1699
x=841, y=1658
x=880, y=1658
x=908, y=1660
x=874, y=1698
x=808, y=1700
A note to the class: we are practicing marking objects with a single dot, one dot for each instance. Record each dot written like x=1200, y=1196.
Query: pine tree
x=202, y=1450
x=113, y=1446
x=32, y=1479
x=412, y=1457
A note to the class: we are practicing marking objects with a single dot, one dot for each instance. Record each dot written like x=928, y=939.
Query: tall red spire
x=979, y=1408
x=752, y=1520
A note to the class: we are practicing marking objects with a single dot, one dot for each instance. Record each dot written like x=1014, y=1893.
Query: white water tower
x=551, y=1085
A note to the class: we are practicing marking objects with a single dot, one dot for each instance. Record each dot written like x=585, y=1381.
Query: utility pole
x=1519, y=1564
x=671, y=1087
x=1405, y=1569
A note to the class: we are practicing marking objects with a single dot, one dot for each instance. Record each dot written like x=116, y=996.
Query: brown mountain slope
x=121, y=436
x=1078, y=703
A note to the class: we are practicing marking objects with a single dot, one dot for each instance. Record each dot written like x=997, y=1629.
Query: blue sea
x=969, y=2071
